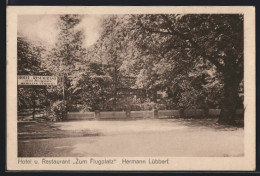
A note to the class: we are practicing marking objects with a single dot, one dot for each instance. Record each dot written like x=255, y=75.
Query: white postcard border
x=176, y=163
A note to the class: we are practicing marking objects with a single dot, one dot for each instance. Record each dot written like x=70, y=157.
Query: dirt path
x=174, y=137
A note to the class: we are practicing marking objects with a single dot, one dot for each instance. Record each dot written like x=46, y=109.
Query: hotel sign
x=37, y=80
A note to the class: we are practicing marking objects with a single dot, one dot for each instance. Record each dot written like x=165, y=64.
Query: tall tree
x=29, y=58
x=116, y=53
x=67, y=56
x=215, y=40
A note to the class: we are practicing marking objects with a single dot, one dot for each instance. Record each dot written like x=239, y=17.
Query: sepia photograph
x=146, y=85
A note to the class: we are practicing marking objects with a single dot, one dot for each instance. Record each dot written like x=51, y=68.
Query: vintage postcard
x=131, y=88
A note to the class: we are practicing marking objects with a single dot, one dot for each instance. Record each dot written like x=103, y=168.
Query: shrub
x=59, y=110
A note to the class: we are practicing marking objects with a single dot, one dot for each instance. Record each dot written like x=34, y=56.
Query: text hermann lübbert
x=95, y=161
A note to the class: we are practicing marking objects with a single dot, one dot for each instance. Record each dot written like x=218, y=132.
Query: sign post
x=37, y=80
x=34, y=80
x=34, y=103
x=63, y=97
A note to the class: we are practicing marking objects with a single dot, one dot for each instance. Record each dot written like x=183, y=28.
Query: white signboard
x=37, y=80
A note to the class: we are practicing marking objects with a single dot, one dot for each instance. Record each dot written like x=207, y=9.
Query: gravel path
x=133, y=138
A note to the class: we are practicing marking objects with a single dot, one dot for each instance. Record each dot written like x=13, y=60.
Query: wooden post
x=97, y=114
x=115, y=87
x=155, y=114
x=128, y=113
x=64, y=114
x=206, y=108
x=34, y=103
x=181, y=110
x=63, y=90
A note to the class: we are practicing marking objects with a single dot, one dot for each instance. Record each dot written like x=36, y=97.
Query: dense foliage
x=28, y=55
x=195, y=60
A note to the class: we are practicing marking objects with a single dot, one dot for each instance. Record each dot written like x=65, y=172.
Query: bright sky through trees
x=43, y=28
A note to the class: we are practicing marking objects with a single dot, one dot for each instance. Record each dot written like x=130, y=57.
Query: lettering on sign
x=37, y=80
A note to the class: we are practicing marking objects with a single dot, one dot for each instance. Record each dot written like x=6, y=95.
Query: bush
x=59, y=111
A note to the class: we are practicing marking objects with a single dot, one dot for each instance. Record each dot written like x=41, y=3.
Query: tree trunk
x=230, y=101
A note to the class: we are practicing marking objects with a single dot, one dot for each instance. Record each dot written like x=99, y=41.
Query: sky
x=42, y=28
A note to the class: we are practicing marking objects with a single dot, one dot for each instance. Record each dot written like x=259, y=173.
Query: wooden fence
x=158, y=114
x=80, y=115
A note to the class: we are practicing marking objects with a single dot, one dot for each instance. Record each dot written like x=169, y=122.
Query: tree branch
x=197, y=47
x=154, y=31
x=192, y=42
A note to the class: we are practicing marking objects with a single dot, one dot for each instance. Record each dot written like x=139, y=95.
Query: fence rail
x=80, y=115
x=188, y=113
